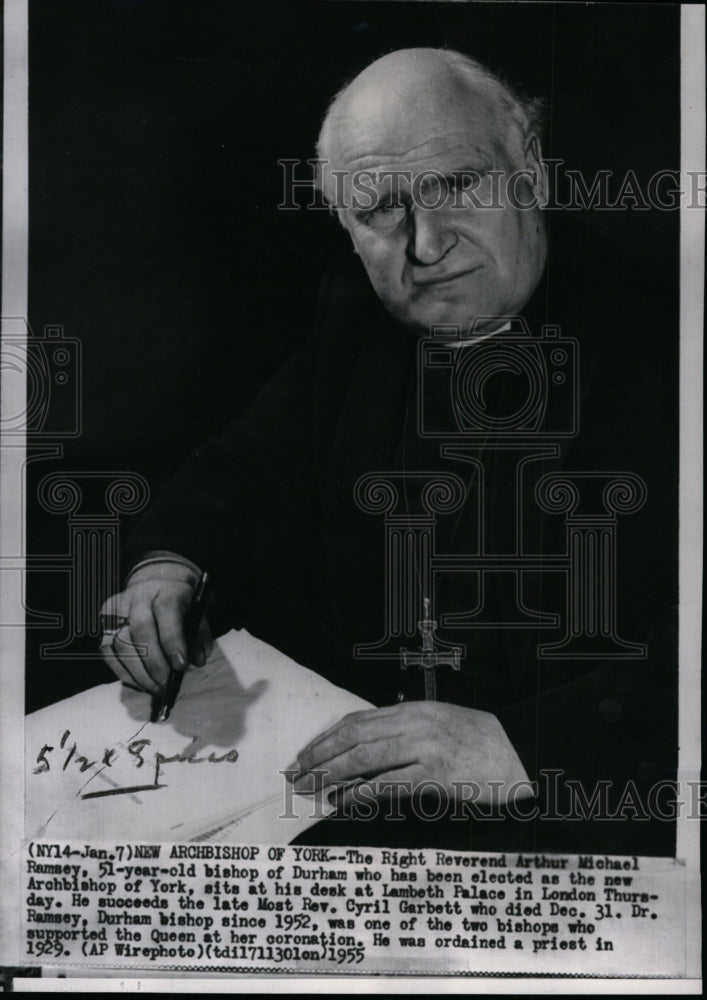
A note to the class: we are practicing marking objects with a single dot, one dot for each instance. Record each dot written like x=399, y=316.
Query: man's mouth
x=443, y=279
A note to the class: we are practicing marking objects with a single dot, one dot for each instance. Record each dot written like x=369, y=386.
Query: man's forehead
x=356, y=149
x=415, y=131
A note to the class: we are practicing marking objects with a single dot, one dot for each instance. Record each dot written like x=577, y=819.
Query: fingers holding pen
x=118, y=648
x=167, y=611
x=142, y=646
x=145, y=639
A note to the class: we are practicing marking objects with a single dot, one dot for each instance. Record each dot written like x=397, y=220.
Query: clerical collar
x=477, y=340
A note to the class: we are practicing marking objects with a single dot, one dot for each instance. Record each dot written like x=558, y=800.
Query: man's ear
x=534, y=161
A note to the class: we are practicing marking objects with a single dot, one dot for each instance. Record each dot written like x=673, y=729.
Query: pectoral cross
x=429, y=658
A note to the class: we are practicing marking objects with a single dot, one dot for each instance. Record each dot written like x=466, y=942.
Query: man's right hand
x=154, y=602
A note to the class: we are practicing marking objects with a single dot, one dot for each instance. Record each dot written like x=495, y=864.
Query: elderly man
x=417, y=158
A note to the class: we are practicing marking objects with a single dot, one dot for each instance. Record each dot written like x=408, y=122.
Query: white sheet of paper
x=97, y=767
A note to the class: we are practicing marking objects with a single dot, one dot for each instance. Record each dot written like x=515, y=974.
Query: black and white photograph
x=351, y=495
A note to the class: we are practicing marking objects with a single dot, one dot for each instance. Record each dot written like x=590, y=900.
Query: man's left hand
x=414, y=742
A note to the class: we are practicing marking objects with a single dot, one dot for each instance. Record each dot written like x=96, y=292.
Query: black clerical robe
x=270, y=509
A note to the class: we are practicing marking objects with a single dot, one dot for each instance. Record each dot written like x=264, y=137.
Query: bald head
x=419, y=83
x=411, y=150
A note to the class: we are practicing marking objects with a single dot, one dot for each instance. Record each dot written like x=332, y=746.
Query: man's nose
x=431, y=236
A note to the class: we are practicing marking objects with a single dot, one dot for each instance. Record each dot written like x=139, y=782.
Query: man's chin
x=421, y=322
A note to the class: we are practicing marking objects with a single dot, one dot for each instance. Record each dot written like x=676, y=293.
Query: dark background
x=155, y=237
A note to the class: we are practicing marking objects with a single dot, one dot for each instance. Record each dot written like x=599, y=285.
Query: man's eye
x=385, y=214
x=467, y=180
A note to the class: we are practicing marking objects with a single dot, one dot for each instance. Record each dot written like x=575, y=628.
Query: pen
x=192, y=620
